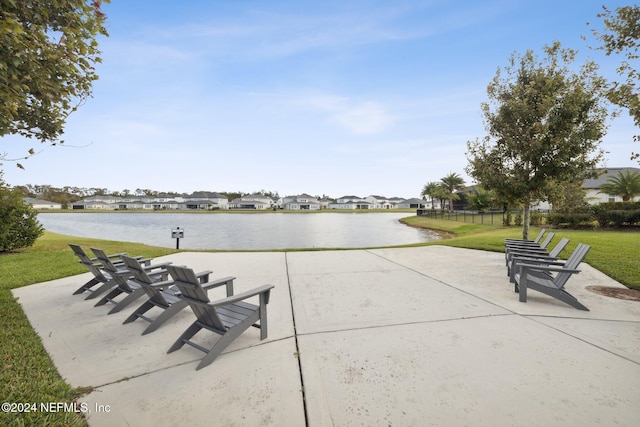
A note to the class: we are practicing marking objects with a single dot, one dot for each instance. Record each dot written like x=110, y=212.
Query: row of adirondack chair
x=531, y=265
x=121, y=279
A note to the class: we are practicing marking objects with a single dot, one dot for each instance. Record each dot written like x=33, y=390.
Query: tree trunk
x=526, y=219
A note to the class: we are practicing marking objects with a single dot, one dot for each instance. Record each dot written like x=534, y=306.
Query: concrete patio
x=388, y=337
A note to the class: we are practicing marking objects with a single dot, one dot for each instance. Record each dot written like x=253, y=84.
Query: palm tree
x=482, y=199
x=452, y=183
x=626, y=185
x=432, y=190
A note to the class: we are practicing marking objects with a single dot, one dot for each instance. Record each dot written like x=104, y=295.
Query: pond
x=243, y=231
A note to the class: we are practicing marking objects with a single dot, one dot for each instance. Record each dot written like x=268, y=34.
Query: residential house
x=413, y=204
x=379, y=202
x=42, y=204
x=253, y=201
x=350, y=202
x=324, y=203
x=96, y=203
x=301, y=202
x=206, y=200
x=592, y=186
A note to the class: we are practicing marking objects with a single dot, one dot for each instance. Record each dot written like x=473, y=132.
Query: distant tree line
x=67, y=195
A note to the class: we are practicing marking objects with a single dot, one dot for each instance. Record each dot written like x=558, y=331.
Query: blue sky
x=334, y=97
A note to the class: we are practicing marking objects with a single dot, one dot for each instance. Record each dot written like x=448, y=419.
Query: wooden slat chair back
x=105, y=280
x=572, y=263
x=228, y=317
x=536, y=240
x=141, y=276
x=163, y=295
x=121, y=276
x=535, y=258
x=511, y=250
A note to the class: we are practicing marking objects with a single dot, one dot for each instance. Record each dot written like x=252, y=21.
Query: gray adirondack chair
x=542, y=279
x=228, y=317
x=536, y=240
x=121, y=274
x=534, y=257
x=530, y=248
x=164, y=295
x=100, y=277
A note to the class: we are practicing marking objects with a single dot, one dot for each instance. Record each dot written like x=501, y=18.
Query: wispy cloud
x=355, y=116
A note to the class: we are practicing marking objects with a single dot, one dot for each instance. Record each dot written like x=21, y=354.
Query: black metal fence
x=475, y=217
x=498, y=217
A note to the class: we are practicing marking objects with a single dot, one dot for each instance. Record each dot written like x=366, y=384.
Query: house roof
x=606, y=173
x=414, y=201
x=33, y=201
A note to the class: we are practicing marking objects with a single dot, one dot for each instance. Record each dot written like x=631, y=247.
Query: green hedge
x=572, y=220
x=613, y=214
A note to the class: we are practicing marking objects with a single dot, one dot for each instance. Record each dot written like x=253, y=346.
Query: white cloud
x=355, y=116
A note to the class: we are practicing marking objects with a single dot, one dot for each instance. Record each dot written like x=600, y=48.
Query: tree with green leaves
x=625, y=185
x=568, y=197
x=19, y=226
x=482, y=199
x=432, y=190
x=451, y=184
x=621, y=35
x=47, y=60
x=544, y=123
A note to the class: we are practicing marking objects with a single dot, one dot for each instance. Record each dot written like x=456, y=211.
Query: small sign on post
x=177, y=234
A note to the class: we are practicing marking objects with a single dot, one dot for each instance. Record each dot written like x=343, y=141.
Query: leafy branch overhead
x=47, y=64
x=620, y=36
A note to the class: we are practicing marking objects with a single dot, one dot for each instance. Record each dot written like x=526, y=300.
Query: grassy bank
x=615, y=253
x=28, y=375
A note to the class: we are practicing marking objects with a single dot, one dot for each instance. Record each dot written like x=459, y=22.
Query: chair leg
x=105, y=287
x=522, y=289
x=186, y=335
x=87, y=286
x=263, y=319
x=225, y=340
x=131, y=297
x=139, y=312
x=164, y=316
x=111, y=295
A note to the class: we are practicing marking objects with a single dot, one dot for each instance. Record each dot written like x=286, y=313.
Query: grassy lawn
x=28, y=375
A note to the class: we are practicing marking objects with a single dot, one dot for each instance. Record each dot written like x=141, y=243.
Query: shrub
x=536, y=218
x=19, y=226
x=506, y=219
x=572, y=220
x=518, y=220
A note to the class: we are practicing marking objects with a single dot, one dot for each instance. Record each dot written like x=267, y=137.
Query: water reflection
x=238, y=231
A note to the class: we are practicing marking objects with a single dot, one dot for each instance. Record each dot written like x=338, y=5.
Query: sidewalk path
x=388, y=337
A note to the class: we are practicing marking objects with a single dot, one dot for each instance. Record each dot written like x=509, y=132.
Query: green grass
x=28, y=375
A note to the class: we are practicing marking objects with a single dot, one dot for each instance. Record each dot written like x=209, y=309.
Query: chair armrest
x=525, y=250
x=161, y=285
x=219, y=282
x=264, y=289
x=535, y=258
x=558, y=262
x=154, y=266
x=533, y=245
x=204, y=276
x=525, y=267
x=116, y=255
